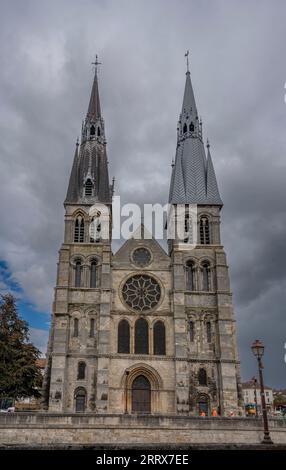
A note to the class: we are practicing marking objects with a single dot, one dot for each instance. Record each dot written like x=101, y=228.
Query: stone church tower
x=142, y=330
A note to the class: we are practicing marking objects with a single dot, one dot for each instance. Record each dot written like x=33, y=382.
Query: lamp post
x=254, y=380
x=126, y=392
x=258, y=351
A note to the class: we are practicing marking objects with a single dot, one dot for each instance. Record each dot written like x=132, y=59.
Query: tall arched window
x=123, y=339
x=141, y=337
x=80, y=400
x=92, y=130
x=209, y=331
x=188, y=235
x=159, y=338
x=192, y=127
x=192, y=331
x=93, y=274
x=204, y=231
x=81, y=370
x=75, y=327
x=92, y=328
x=88, y=188
x=77, y=278
x=79, y=230
x=185, y=128
x=206, y=276
x=98, y=132
x=190, y=275
x=202, y=377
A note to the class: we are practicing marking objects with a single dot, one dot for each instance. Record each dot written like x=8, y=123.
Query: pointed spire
x=193, y=178
x=94, y=110
x=72, y=188
x=189, y=105
x=213, y=196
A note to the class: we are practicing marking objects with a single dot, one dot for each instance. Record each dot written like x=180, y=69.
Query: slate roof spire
x=89, y=179
x=193, y=178
x=94, y=111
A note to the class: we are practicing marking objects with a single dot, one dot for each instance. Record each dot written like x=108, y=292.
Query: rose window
x=141, y=292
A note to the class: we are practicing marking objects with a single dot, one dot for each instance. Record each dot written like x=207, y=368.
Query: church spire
x=191, y=170
x=94, y=111
x=93, y=126
x=89, y=180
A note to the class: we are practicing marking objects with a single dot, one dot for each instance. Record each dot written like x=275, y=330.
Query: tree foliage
x=19, y=374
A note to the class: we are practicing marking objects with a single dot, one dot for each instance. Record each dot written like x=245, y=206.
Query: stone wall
x=58, y=429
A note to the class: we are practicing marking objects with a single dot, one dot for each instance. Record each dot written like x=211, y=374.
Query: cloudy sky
x=238, y=68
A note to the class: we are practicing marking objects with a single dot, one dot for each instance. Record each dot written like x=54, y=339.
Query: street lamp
x=126, y=392
x=258, y=351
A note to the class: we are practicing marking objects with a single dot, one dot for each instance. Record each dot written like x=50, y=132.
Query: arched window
x=79, y=230
x=206, y=276
x=202, y=377
x=204, y=231
x=192, y=127
x=141, y=337
x=185, y=128
x=192, y=331
x=75, y=327
x=188, y=235
x=141, y=395
x=92, y=328
x=209, y=331
x=77, y=278
x=88, y=188
x=81, y=370
x=190, y=275
x=98, y=132
x=95, y=230
x=159, y=338
x=93, y=274
x=80, y=400
x=123, y=339
x=92, y=130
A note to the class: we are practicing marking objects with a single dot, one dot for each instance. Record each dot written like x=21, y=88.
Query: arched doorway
x=203, y=405
x=141, y=395
x=80, y=400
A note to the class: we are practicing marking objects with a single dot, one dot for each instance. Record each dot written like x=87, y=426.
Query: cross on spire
x=187, y=56
x=96, y=64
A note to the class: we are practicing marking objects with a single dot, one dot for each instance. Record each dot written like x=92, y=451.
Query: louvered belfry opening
x=141, y=395
x=88, y=187
x=79, y=230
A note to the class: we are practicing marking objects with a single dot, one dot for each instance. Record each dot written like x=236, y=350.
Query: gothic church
x=142, y=330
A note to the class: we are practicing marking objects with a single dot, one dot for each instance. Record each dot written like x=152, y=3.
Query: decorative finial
x=77, y=142
x=187, y=56
x=96, y=64
x=208, y=144
x=172, y=164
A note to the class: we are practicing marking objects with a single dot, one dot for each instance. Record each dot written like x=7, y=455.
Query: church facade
x=142, y=330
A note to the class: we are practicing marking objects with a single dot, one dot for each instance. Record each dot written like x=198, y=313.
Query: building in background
x=251, y=396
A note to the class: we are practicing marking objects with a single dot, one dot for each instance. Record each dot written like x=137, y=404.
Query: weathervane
x=187, y=55
x=96, y=64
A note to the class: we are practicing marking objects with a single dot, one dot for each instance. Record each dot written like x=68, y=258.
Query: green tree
x=19, y=374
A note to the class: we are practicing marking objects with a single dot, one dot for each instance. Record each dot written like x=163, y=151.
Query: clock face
x=141, y=292
x=141, y=257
